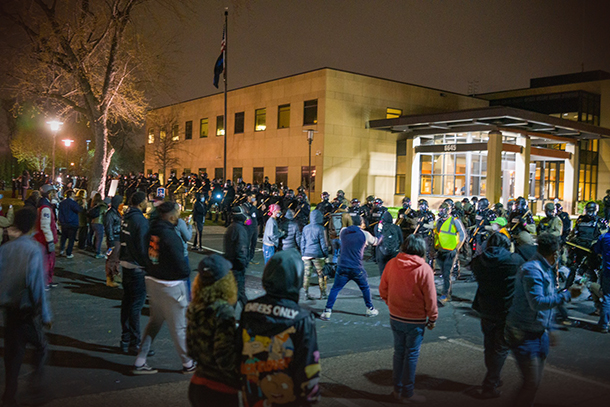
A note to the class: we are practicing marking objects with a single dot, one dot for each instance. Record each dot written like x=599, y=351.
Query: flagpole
x=224, y=62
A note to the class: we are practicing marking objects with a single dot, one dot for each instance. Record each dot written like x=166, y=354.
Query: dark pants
x=496, y=351
x=383, y=260
x=134, y=296
x=240, y=279
x=445, y=261
x=21, y=328
x=342, y=277
x=82, y=237
x=530, y=350
x=67, y=233
x=253, y=233
x=203, y=396
x=197, y=243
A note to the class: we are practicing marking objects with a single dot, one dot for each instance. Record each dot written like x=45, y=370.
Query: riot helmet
x=591, y=208
x=483, y=204
x=549, y=209
x=340, y=194
x=474, y=200
x=449, y=203
x=355, y=202
x=422, y=205
x=521, y=205
x=558, y=207
x=444, y=210
x=378, y=202
x=498, y=208
x=406, y=202
x=290, y=193
x=370, y=199
x=325, y=196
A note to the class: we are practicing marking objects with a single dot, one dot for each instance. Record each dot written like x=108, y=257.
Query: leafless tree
x=165, y=130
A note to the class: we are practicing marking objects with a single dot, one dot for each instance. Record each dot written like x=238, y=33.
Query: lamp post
x=67, y=143
x=310, y=133
x=55, y=125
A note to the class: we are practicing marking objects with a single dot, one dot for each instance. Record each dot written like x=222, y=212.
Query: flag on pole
x=219, y=67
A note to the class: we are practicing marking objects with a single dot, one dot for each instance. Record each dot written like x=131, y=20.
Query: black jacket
x=134, y=245
x=278, y=338
x=236, y=244
x=112, y=225
x=495, y=271
x=199, y=211
x=166, y=253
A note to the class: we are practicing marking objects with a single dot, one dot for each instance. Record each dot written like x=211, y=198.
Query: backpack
x=94, y=212
x=390, y=245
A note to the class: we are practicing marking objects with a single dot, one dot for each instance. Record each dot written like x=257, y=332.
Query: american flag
x=219, y=67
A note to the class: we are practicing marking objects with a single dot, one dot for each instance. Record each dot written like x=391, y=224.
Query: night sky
x=463, y=46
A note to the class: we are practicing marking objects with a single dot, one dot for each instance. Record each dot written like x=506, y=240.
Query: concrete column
x=570, y=179
x=522, y=168
x=493, y=190
x=412, y=176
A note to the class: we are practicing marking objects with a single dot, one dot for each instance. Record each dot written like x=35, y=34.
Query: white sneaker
x=372, y=312
x=326, y=315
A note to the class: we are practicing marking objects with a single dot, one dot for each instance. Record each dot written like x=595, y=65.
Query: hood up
x=316, y=217
x=283, y=275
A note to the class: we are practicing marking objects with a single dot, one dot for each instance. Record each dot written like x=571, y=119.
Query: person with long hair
x=210, y=334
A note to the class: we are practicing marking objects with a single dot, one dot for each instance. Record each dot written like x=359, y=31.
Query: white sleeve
x=370, y=239
x=45, y=224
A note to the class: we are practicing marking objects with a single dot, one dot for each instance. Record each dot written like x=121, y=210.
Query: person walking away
x=407, y=287
x=166, y=288
x=24, y=302
x=133, y=258
x=280, y=360
x=392, y=240
x=449, y=235
x=199, y=211
x=184, y=229
x=96, y=215
x=531, y=315
x=272, y=235
x=211, y=334
x=112, y=226
x=495, y=271
x=69, y=211
x=291, y=232
x=236, y=246
x=314, y=250
x=83, y=224
x=252, y=226
x=350, y=267
x=46, y=231
x=602, y=247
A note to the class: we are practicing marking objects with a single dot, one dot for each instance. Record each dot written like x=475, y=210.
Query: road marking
x=547, y=367
x=584, y=320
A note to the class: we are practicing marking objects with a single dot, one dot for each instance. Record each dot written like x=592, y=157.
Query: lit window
x=203, y=128
x=283, y=116
x=175, y=133
x=260, y=119
x=310, y=112
x=151, y=136
x=162, y=135
x=220, y=125
x=392, y=113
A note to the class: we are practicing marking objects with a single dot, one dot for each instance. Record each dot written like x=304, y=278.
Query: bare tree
x=82, y=57
x=166, y=132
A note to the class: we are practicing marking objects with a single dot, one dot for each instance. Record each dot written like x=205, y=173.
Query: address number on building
x=450, y=147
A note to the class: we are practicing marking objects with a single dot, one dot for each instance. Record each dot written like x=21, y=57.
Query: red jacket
x=407, y=286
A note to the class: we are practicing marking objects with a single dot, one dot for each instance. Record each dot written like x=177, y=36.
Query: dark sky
x=491, y=44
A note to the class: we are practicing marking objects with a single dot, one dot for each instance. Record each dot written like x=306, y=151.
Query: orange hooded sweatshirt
x=407, y=286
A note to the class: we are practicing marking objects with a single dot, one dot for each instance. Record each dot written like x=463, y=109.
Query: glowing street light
x=55, y=126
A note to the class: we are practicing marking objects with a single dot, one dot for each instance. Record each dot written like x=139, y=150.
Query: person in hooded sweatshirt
x=392, y=240
x=495, y=270
x=237, y=250
x=292, y=232
x=314, y=250
x=407, y=286
x=280, y=361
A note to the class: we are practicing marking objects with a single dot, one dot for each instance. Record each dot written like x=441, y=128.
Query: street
x=86, y=368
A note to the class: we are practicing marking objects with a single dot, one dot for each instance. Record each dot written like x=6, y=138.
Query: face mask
x=202, y=199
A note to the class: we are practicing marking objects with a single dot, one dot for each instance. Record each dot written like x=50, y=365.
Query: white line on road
x=547, y=368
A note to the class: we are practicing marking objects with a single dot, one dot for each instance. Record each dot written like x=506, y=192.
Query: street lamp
x=67, y=143
x=54, y=125
x=310, y=133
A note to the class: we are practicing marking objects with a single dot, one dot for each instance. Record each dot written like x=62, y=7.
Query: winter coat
x=69, y=210
x=272, y=233
x=237, y=244
x=134, y=246
x=112, y=226
x=166, y=253
x=292, y=233
x=313, y=238
x=185, y=232
x=278, y=339
x=200, y=209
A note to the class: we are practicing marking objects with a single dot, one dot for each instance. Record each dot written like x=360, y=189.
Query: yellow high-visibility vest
x=447, y=238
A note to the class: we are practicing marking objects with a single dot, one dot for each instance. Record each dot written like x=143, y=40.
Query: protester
x=96, y=215
x=271, y=238
x=133, y=258
x=350, y=267
x=280, y=361
x=199, y=211
x=291, y=232
x=407, y=286
x=83, y=223
x=112, y=226
x=69, y=211
x=392, y=240
x=184, y=229
x=6, y=221
x=602, y=247
x=531, y=315
x=211, y=334
x=495, y=271
x=23, y=299
x=166, y=288
x=236, y=245
x=46, y=231
x=314, y=249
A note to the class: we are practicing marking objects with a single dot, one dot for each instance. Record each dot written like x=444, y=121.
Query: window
x=188, y=130
x=175, y=132
x=162, y=135
x=202, y=170
x=203, y=128
x=401, y=166
x=445, y=174
x=220, y=125
x=258, y=175
x=305, y=177
x=151, y=136
x=239, y=122
x=260, y=119
x=187, y=171
x=237, y=173
x=391, y=113
x=218, y=173
x=310, y=112
x=149, y=171
x=587, y=175
x=281, y=176
x=283, y=116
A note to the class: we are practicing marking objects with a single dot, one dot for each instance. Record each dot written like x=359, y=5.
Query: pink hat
x=274, y=208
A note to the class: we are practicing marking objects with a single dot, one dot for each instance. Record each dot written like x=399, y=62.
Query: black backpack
x=390, y=245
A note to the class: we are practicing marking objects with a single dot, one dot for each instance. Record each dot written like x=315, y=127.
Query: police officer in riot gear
x=565, y=221
x=551, y=223
x=325, y=206
x=607, y=205
x=425, y=225
x=406, y=218
x=482, y=226
x=341, y=199
x=521, y=219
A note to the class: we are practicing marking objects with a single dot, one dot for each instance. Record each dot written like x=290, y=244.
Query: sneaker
x=61, y=253
x=52, y=285
x=603, y=330
x=444, y=299
x=189, y=370
x=100, y=256
x=326, y=315
x=372, y=312
x=144, y=369
x=70, y=256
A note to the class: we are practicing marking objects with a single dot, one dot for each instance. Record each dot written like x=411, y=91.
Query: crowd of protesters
x=267, y=347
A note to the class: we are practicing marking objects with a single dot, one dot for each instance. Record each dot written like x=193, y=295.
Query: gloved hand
x=50, y=247
x=430, y=325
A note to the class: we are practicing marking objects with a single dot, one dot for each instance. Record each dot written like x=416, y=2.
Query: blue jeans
x=335, y=244
x=268, y=252
x=98, y=230
x=343, y=276
x=604, y=318
x=445, y=261
x=407, y=341
x=530, y=350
